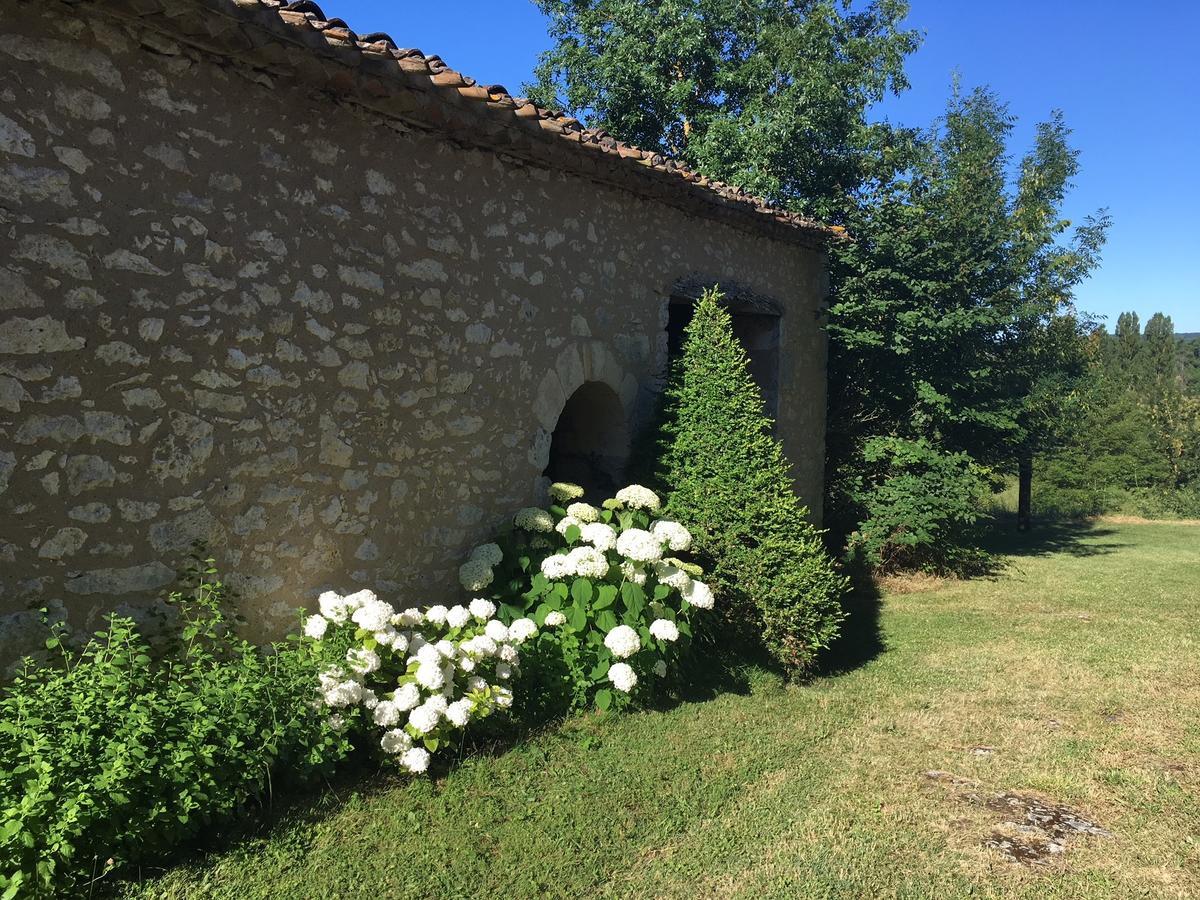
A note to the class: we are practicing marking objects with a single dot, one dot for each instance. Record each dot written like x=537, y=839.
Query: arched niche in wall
x=586, y=407
x=756, y=325
x=590, y=443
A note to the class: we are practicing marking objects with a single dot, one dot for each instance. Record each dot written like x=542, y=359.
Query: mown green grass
x=1078, y=665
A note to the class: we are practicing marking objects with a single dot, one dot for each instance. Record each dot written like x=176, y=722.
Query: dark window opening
x=758, y=334
x=590, y=445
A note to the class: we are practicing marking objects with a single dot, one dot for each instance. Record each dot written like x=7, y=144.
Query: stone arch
x=590, y=443
x=613, y=392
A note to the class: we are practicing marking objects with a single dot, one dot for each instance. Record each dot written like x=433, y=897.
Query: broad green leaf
x=604, y=698
x=581, y=591
x=606, y=595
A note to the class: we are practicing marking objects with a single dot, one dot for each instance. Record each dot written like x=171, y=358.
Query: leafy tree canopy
x=770, y=95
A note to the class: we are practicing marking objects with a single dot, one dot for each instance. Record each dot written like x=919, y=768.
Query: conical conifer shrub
x=728, y=480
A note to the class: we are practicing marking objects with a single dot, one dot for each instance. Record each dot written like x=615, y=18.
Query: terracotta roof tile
x=261, y=23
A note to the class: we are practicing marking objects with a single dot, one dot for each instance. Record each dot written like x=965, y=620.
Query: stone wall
x=330, y=345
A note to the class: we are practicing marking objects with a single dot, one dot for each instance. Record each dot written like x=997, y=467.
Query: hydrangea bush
x=413, y=678
x=607, y=587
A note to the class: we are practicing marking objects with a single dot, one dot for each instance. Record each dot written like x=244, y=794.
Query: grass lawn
x=1073, y=677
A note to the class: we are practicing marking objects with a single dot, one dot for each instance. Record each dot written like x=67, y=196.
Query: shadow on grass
x=861, y=639
x=1080, y=538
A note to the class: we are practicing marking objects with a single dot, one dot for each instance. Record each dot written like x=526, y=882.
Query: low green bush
x=729, y=482
x=918, y=506
x=118, y=753
x=612, y=599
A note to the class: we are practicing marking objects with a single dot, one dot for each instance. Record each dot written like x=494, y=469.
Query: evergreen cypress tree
x=727, y=479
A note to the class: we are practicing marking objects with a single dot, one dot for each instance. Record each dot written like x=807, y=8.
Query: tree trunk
x=1025, y=492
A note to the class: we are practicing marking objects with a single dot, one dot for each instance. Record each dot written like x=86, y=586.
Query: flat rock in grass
x=1032, y=831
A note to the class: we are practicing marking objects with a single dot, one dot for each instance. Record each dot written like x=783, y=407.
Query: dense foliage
x=117, y=754
x=767, y=94
x=952, y=329
x=729, y=480
x=1135, y=447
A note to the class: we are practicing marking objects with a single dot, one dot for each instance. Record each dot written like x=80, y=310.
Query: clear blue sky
x=1127, y=76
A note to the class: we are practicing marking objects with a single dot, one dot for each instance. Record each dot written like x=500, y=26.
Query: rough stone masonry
x=319, y=302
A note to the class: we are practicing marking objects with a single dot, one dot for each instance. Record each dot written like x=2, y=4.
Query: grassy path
x=1073, y=677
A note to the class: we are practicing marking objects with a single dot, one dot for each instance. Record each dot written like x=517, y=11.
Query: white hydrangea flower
x=333, y=607
x=475, y=684
x=436, y=615
x=446, y=649
x=675, y=535
x=359, y=598
x=639, y=545
x=672, y=576
x=623, y=677
x=430, y=677
x=601, y=536
x=491, y=554
x=664, y=630
x=562, y=491
x=623, y=641
x=429, y=655
x=566, y=522
x=395, y=741
x=587, y=562
x=406, y=697
x=343, y=693
x=522, y=630
x=474, y=575
x=503, y=671
x=315, y=627
x=459, y=712
x=465, y=663
x=438, y=704
x=699, y=595
x=531, y=518
x=415, y=644
x=660, y=668
x=479, y=646
x=360, y=659
x=554, y=618
x=557, y=567
x=386, y=714
x=508, y=653
x=416, y=760
x=389, y=637
x=373, y=615
x=458, y=616
x=337, y=721
x=409, y=618
x=639, y=497
x=369, y=700
x=503, y=698
x=424, y=718
x=583, y=512
x=482, y=609
x=634, y=573
x=496, y=630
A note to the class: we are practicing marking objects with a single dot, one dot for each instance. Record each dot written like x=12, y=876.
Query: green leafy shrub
x=920, y=506
x=612, y=605
x=728, y=479
x=116, y=754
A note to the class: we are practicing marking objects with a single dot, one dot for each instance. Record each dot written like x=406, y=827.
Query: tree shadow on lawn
x=1073, y=537
x=861, y=639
